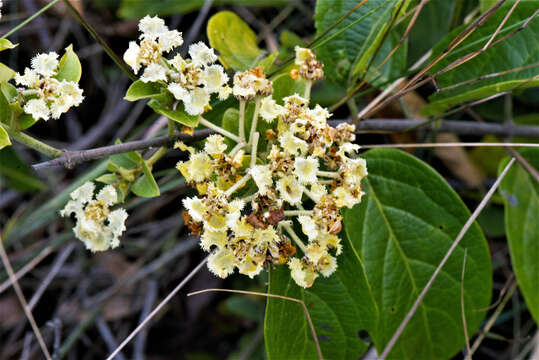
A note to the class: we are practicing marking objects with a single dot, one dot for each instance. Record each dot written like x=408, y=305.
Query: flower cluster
x=247, y=212
x=97, y=226
x=191, y=81
x=309, y=67
x=47, y=96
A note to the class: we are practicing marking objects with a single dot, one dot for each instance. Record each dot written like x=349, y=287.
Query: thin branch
x=452, y=126
x=454, y=245
x=26, y=268
x=158, y=307
x=22, y=300
x=311, y=325
x=444, y=145
x=72, y=158
x=101, y=42
x=29, y=19
x=523, y=162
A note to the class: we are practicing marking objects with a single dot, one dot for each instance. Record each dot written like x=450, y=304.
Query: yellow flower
x=306, y=169
x=213, y=238
x=222, y=262
x=302, y=273
x=290, y=189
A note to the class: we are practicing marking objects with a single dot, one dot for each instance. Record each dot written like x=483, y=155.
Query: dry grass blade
x=493, y=318
x=524, y=163
x=454, y=245
x=22, y=300
x=462, y=312
x=26, y=268
x=157, y=308
x=313, y=331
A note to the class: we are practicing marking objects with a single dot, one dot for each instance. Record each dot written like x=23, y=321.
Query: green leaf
x=430, y=27
x=284, y=85
x=15, y=173
x=136, y=9
x=267, y=63
x=6, y=73
x=393, y=241
x=145, y=186
x=519, y=50
x=520, y=192
x=4, y=138
x=69, y=68
x=179, y=115
x=6, y=44
x=107, y=179
x=340, y=307
x=234, y=39
x=141, y=90
x=352, y=49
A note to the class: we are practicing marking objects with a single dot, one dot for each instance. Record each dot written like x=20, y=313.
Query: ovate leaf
x=4, y=138
x=141, y=90
x=145, y=186
x=179, y=115
x=234, y=40
x=520, y=50
x=69, y=68
x=393, y=241
x=284, y=85
x=520, y=192
x=6, y=73
x=6, y=44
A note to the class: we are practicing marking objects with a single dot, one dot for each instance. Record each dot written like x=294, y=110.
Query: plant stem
x=101, y=42
x=157, y=155
x=237, y=185
x=170, y=128
x=294, y=237
x=255, y=119
x=242, y=121
x=254, y=148
x=329, y=174
x=298, y=212
x=32, y=142
x=236, y=148
x=308, y=85
x=220, y=130
x=29, y=19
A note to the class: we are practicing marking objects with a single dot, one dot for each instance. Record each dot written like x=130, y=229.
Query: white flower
x=200, y=99
x=168, y=40
x=38, y=109
x=152, y=27
x=327, y=265
x=201, y=55
x=213, y=238
x=292, y=145
x=45, y=64
x=234, y=212
x=343, y=197
x=302, y=54
x=29, y=79
x=224, y=92
x=71, y=90
x=197, y=169
x=250, y=267
x=117, y=225
x=303, y=274
x=108, y=195
x=195, y=207
x=290, y=189
x=269, y=109
x=306, y=169
x=262, y=177
x=84, y=193
x=314, y=252
x=222, y=262
x=154, y=72
x=132, y=56
x=317, y=191
x=214, y=78
x=91, y=234
x=309, y=227
x=179, y=92
x=215, y=145
x=178, y=62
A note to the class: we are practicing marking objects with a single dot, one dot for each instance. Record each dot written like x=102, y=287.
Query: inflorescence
x=252, y=199
x=97, y=226
x=45, y=96
x=190, y=81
